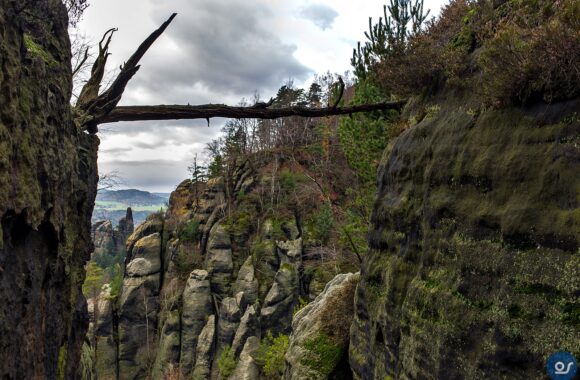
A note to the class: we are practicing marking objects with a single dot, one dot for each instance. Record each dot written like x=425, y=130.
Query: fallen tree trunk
x=206, y=111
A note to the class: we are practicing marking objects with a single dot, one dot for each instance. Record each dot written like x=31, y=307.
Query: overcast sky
x=214, y=51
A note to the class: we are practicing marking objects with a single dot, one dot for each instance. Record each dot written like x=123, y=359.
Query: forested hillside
x=112, y=204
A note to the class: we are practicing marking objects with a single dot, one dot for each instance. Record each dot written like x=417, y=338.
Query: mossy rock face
x=150, y=226
x=318, y=346
x=247, y=282
x=473, y=267
x=105, y=353
x=265, y=258
x=205, y=350
x=47, y=189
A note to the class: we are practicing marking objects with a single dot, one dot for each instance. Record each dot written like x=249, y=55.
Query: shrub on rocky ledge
x=226, y=363
x=270, y=355
x=511, y=52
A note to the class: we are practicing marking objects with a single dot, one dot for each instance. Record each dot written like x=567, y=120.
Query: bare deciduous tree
x=109, y=181
x=75, y=10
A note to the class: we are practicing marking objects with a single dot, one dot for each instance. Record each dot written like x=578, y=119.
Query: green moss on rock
x=38, y=51
x=474, y=246
x=323, y=355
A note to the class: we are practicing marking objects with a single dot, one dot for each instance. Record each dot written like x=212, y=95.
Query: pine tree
x=198, y=175
x=402, y=20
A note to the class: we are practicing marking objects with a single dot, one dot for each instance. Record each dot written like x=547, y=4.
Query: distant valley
x=112, y=204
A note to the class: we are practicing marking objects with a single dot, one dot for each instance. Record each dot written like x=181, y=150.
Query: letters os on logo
x=561, y=366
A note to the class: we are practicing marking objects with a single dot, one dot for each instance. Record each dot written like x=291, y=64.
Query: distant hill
x=133, y=197
x=112, y=204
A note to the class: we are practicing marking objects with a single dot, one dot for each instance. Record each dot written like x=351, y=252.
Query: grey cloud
x=197, y=130
x=145, y=145
x=114, y=151
x=321, y=15
x=215, y=51
x=223, y=45
x=149, y=175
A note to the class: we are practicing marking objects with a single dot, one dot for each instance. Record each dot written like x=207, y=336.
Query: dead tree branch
x=90, y=90
x=93, y=108
x=340, y=92
x=104, y=103
x=81, y=63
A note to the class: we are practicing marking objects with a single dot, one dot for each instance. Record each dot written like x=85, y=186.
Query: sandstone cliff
x=209, y=284
x=473, y=267
x=109, y=241
x=47, y=188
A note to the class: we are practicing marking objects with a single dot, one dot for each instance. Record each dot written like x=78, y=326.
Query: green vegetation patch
x=190, y=233
x=320, y=225
x=289, y=180
x=270, y=355
x=226, y=362
x=87, y=354
x=38, y=51
x=61, y=362
x=93, y=280
x=240, y=221
x=323, y=354
x=116, y=282
x=301, y=305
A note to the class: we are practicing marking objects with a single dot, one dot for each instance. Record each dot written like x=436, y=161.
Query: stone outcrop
x=247, y=369
x=246, y=282
x=169, y=349
x=465, y=276
x=318, y=346
x=125, y=227
x=109, y=241
x=48, y=179
x=104, y=344
x=153, y=224
x=138, y=308
x=279, y=303
x=473, y=267
x=146, y=256
x=229, y=319
x=204, y=350
x=102, y=233
x=202, y=280
x=219, y=262
x=197, y=306
x=249, y=326
x=290, y=252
